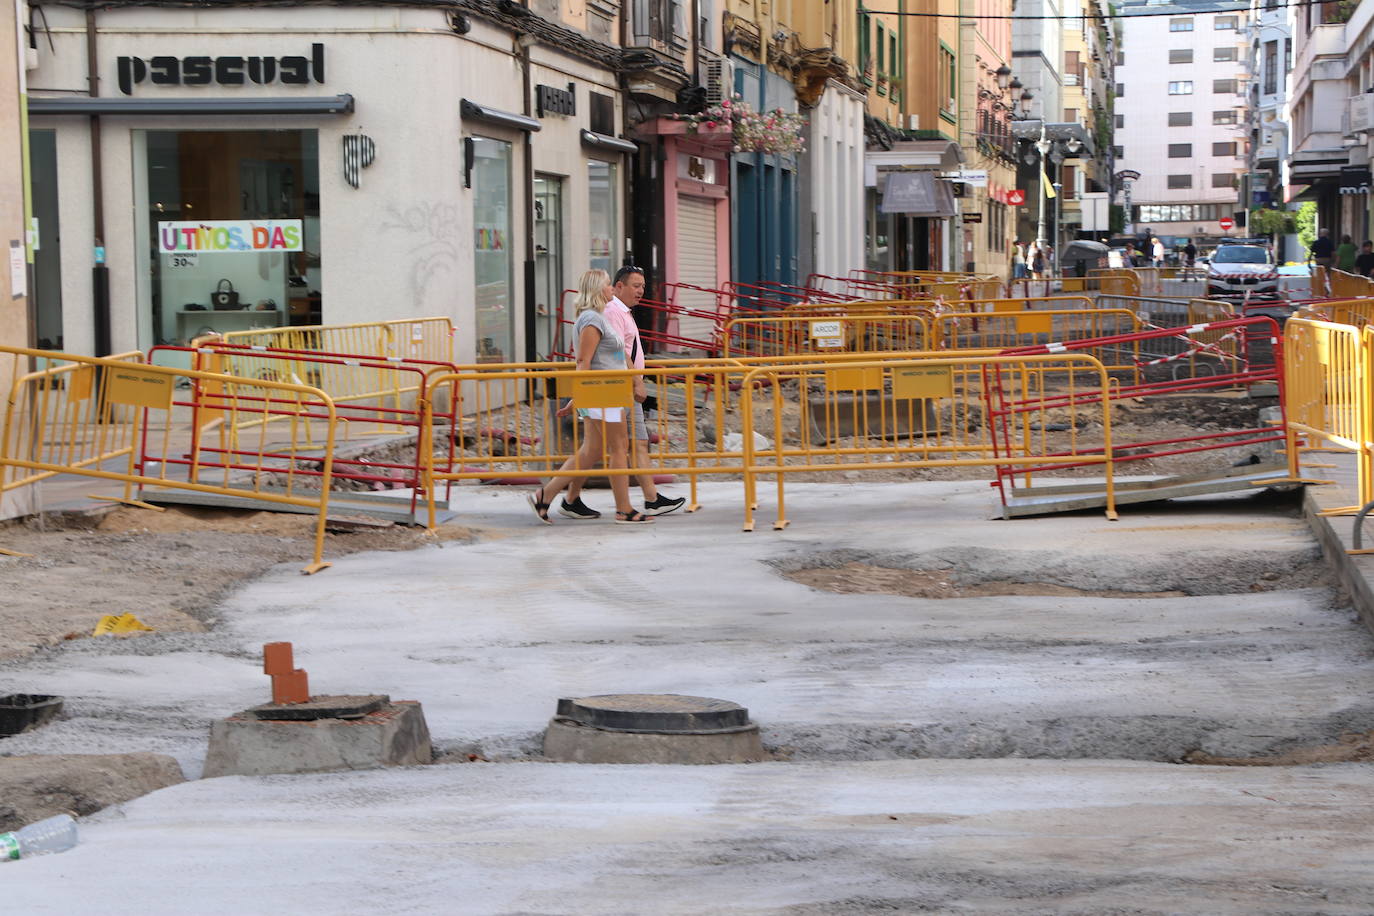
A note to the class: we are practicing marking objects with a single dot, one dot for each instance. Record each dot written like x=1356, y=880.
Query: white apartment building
x=1180, y=114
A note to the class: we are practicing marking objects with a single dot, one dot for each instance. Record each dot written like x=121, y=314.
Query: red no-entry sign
x=1226, y=223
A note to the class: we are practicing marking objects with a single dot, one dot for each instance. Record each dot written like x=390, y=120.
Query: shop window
x=232, y=220
x=601, y=215
x=492, y=261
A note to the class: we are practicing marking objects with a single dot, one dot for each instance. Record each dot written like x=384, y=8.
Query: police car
x=1235, y=270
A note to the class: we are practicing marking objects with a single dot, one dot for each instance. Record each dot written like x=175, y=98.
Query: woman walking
x=598, y=347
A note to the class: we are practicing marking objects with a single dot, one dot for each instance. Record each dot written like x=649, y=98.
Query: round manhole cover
x=654, y=712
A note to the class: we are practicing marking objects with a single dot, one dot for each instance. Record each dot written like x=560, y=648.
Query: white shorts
x=607, y=414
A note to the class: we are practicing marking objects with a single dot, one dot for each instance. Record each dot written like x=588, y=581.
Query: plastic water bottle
x=53, y=834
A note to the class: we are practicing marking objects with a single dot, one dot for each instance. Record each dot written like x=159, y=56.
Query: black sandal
x=633, y=517
x=540, y=507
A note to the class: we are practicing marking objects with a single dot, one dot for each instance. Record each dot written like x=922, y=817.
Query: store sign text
x=226, y=71
x=230, y=236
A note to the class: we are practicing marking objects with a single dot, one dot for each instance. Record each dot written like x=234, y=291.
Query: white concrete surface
x=488, y=635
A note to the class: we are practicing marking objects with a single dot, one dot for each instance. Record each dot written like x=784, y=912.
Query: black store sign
x=225, y=71
x=1354, y=179
x=548, y=100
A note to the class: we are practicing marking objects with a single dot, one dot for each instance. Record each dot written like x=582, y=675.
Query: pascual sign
x=230, y=70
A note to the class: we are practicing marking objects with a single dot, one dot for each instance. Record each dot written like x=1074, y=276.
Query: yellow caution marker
x=120, y=625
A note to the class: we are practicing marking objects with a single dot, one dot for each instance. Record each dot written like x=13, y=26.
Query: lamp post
x=1042, y=146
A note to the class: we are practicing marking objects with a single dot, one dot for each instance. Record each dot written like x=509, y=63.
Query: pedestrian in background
x=1018, y=262
x=1364, y=261
x=1323, y=249
x=598, y=347
x=1157, y=251
x=1346, y=252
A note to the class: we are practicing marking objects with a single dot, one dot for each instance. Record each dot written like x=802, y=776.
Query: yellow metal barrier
x=412, y=338
x=168, y=445
x=1203, y=311
x=1116, y=281
x=1024, y=303
x=1007, y=330
x=922, y=413
x=787, y=335
x=59, y=415
x=1327, y=378
x=1344, y=285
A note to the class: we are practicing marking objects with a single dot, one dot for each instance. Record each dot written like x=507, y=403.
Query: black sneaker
x=576, y=509
x=662, y=505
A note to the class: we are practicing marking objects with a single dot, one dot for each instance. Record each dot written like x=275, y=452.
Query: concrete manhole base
x=652, y=728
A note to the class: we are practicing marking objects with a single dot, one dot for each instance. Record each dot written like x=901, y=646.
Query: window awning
x=604, y=141
x=917, y=194
x=191, y=105
x=470, y=109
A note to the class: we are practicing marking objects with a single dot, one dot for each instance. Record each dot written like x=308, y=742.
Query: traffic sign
x=1016, y=197
x=1226, y=223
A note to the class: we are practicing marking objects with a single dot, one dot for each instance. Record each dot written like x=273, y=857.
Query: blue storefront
x=765, y=193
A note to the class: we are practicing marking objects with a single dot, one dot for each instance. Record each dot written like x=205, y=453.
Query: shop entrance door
x=548, y=262
x=46, y=294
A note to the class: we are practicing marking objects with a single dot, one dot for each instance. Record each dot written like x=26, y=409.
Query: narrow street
x=1110, y=652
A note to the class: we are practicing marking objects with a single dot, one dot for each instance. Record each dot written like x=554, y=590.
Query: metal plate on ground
x=1072, y=497
x=654, y=712
x=388, y=508
x=323, y=707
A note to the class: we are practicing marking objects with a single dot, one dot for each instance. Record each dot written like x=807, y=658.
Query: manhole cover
x=323, y=707
x=654, y=712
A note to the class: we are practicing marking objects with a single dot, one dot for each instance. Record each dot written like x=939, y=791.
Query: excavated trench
x=1181, y=681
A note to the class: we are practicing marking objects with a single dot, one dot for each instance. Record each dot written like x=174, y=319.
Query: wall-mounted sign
x=973, y=217
x=698, y=168
x=1016, y=197
x=976, y=177
x=230, y=236
x=548, y=100
x=1354, y=179
x=359, y=151
x=230, y=70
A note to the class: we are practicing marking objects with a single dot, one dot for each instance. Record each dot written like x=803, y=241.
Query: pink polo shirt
x=623, y=321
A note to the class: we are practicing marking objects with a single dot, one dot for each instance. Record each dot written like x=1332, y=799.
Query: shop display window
x=232, y=223
x=601, y=213
x=492, y=261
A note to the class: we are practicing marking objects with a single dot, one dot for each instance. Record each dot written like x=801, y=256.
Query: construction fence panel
x=791, y=335
x=58, y=416
x=168, y=410
x=410, y=338
x=905, y=413
x=1005, y=330
x=1327, y=377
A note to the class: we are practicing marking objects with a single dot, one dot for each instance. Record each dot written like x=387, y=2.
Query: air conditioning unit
x=718, y=76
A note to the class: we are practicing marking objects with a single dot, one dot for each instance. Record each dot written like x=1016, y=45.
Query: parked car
x=1235, y=270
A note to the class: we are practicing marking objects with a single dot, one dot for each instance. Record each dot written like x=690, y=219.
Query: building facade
x=1180, y=111
x=248, y=167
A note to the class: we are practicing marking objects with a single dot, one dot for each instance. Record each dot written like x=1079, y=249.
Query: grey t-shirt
x=610, y=350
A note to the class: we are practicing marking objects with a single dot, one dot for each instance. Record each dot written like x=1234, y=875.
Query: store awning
x=912, y=154
x=191, y=105
x=604, y=141
x=1310, y=165
x=471, y=109
x=917, y=194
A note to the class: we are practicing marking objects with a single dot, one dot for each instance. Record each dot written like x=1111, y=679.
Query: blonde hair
x=591, y=291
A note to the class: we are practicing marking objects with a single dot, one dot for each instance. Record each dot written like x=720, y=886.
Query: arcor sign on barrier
x=225, y=71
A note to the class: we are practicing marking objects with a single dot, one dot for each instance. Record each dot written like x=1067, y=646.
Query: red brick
x=277, y=658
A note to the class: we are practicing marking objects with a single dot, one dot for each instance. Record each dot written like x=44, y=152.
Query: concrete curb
x=1336, y=535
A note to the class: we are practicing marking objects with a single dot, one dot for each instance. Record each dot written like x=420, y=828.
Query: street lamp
x=1003, y=74
x=1042, y=146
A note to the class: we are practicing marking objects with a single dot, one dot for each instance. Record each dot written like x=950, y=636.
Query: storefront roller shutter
x=696, y=234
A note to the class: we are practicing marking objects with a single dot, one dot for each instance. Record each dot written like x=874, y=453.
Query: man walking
x=1323, y=249
x=629, y=287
